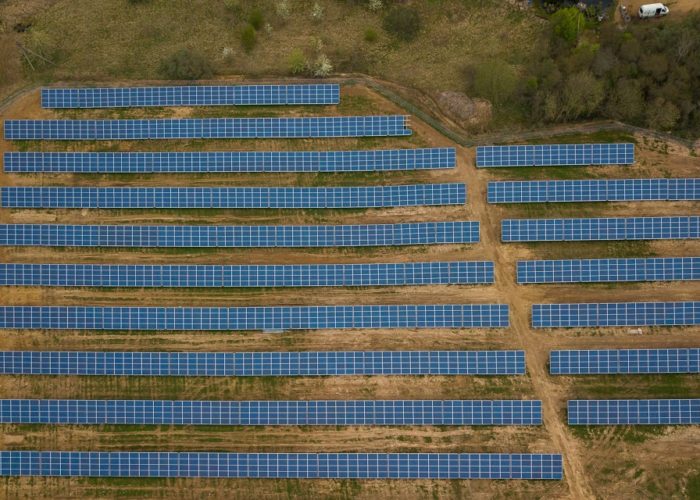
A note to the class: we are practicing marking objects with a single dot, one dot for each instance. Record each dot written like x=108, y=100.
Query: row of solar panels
x=257, y=318
x=232, y=161
x=283, y=465
x=337, y=412
x=409, y=273
x=234, y=197
x=545, y=155
x=200, y=95
x=338, y=363
x=634, y=412
x=208, y=128
x=594, y=190
x=615, y=314
x=418, y=233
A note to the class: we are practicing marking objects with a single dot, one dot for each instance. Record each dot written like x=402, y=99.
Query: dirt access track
x=619, y=462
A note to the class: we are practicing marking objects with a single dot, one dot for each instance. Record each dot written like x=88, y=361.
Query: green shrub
x=297, y=62
x=256, y=19
x=186, y=65
x=494, y=80
x=370, y=35
x=403, y=22
x=248, y=38
x=567, y=24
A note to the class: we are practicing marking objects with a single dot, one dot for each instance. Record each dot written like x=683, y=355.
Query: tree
x=655, y=65
x=567, y=24
x=626, y=101
x=403, y=22
x=186, y=65
x=495, y=80
x=581, y=96
x=662, y=114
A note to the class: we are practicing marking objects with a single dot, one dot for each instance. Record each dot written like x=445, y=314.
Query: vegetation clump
x=186, y=64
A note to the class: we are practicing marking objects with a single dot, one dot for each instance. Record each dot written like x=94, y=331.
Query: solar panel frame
x=283, y=465
x=191, y=95
x=230, y=161
x=228, y=276
x=208, y=128
x=249, y=364
x=265, y=318
x=615, y=314
x=547, y=155
x=624, y=361
x=634, y=412
x=233, y=197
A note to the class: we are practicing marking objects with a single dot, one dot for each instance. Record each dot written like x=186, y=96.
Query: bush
x=567, y=23
x=256, y=19
x=370, y=35
x=494, y=80
x=375, y=5
x=248, y=38
x=186, y=65
x=403, y=22
x=297, y=62
x=322, y=66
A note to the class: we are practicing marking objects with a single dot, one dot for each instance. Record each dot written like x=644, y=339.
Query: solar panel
x=340, y=412
x=634, y=412
x=234, y=197
x=418, y=233
x=609, y=270
x=207, y=128
x=255, y=318
x=204, y=95
x=615, y=314
x=548, y=155
x=409, y=273
x=624, y=361
x=594, y=190
x=609, y=229
x=282, y=465
x=231, y=161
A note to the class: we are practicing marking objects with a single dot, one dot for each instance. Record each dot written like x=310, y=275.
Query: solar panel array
x=256, y=318
x=624, y=361
x=232, y=161
x=282, y=465
x=616, y=314
x=547, y=155
x=234, y=197
x=409, y=273
x=345, y=412
x=634, y=412
x=207, y=128
x=418, y=233
x=609, y=270
x=204, y=95
x=244, y=364
x=593, y=190
x=609, y=229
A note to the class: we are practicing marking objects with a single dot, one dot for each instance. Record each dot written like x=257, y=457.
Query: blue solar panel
x=615, y=314
x=207, y=128
x=340, y=412
x=624, y=361
x=256, y=318
x=609, y=270
x=282, y=465
x=634, y=412
x=409, y=273
x=204, y=95
x=627, y=228
x=246, y=364
x=234, y=197
x=547, y=155
x=232, y=161
x=418, y=233
x=594, y=190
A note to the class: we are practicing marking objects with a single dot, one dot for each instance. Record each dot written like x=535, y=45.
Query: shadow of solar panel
x=204, y=95
x=634, y=412
x=231, y=161
x=95, y=275
x=282, y=465
x=418, y=233
x=234, y=197
x=255, y=318
x=615, y=314
x=242, y=364
x=609, y=270
x=340, y=412
x=548, y=155
x=624, y=361
x=207, y=128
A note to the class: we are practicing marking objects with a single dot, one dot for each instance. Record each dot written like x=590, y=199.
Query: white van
x=652, y=10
